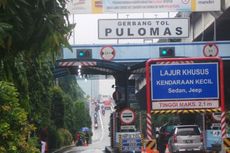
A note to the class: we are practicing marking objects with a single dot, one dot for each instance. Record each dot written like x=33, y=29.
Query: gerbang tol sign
x=143, y=28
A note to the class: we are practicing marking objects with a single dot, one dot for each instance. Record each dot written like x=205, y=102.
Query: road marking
x=102, y=127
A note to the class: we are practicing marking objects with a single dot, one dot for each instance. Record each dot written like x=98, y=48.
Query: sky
x=90, y=87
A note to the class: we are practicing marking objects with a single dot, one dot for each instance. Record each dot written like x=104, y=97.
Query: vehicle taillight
x=166, y=134
x=201, y=137
x=174, y=138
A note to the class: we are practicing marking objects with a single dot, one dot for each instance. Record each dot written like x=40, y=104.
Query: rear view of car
x=186, y=138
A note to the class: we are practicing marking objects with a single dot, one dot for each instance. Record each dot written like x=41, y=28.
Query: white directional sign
x=143, y=28
x=129, y=141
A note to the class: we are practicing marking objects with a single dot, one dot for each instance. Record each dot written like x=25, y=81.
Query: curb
x=63, y=149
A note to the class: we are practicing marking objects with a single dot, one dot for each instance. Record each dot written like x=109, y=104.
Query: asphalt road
x=100, y=138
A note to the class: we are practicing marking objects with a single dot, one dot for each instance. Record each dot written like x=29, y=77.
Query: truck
x=107, y=104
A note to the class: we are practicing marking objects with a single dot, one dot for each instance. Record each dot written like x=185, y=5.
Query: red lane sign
x=127, y=116
x=210, y=50
x=107, y=53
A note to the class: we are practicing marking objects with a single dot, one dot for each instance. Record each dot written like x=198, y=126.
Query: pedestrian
x=87, y=137
x=77, y=137
x=43, y=146
x=43, y=140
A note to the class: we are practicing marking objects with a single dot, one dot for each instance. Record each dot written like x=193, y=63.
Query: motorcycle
x=95, y=126
x=103, y=111
x=80, y=142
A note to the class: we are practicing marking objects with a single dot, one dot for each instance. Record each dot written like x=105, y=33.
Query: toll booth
x=173, y=87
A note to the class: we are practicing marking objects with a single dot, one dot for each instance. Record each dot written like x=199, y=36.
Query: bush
x=14, y=126
x=53, y=142
x=65, y=137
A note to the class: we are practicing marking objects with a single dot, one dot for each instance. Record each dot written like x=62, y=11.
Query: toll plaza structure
x=127, y=64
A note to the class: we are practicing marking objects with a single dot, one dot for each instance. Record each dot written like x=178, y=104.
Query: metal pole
x=91, y=99
x=203, y=124
x=117, y=18
x=140, y=126
x=73, y=32
x=223, y=115
x=214, y=33
x=148, y=111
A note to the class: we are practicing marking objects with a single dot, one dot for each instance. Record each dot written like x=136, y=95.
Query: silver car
x=185, y=138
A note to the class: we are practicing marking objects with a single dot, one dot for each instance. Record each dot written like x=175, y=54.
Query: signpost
x=134, y=53
x=143, y=28
x=197, y=84
x=210, y=49
x=130, y=142
x=190, y=85
x=184, y=81
x=127, y=116
x=141, y=6
x=107, y=53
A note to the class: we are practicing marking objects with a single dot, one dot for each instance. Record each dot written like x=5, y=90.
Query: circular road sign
x=127, y=116
x=216, y=116
x=210, y=50
x=107, y=53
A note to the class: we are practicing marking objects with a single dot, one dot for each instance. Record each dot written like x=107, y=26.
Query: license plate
x=188, y=141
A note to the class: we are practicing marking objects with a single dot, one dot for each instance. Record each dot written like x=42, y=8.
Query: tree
x=31, y=36
x=70, y=86
x=14, y=125
x=82, y=115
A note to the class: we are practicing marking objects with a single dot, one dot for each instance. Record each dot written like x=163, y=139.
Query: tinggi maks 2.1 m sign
x=187, y=85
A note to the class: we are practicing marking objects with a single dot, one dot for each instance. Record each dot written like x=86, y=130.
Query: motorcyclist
x=95, y=124
x=97, y=108
x=103, y=110
x=79, y=139
x=95, y=116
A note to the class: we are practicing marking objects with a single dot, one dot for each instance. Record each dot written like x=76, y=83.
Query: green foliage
x=65, y=137
x=67, y=113
x=70, y=86
x=27, y=59
x=14, y=126
x=82, y=116
x=76, y=111
x=159, y=120
x=53, y=138
x=57, y=108
x=20, y=20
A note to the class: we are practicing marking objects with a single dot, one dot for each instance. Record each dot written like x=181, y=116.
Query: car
x=185, y=138
x=107, y=104
x=163, y=136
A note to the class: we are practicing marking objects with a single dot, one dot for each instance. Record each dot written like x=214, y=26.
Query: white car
x=186, y=138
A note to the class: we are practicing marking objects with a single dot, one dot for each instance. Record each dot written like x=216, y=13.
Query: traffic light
x=84, y=53
x=167, y=52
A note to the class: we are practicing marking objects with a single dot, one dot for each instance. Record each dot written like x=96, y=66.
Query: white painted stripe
x=71, y=63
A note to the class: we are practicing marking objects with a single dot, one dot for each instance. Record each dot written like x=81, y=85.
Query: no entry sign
x=107, y=53
x=127, y=116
